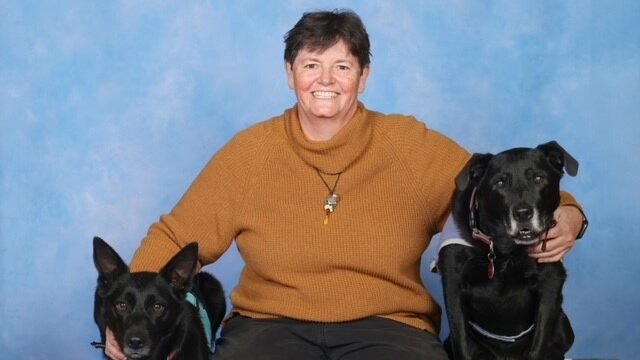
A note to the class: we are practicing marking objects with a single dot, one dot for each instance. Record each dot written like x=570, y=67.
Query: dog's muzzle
x=524, y=225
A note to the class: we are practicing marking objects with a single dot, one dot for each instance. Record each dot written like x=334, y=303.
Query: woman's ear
x=288, y=68
x=362, y=85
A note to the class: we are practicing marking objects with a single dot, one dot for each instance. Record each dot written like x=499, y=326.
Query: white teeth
x=535, y=224
x=325, y=94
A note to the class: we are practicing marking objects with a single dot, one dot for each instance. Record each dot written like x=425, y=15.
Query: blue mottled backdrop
x=109, y=109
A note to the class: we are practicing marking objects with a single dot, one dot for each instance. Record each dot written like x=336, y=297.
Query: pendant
x=330, y=204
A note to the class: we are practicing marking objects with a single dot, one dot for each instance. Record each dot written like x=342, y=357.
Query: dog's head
x=516, y=191
x=141, y=308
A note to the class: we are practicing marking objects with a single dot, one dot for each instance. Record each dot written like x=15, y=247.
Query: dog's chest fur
x=511, y=292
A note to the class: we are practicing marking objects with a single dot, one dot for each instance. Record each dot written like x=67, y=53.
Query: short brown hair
x=319, y=30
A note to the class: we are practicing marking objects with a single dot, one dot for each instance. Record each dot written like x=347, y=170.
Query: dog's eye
x=121, y=307
x=500, y=183
x=538, y=179
x=158, y=308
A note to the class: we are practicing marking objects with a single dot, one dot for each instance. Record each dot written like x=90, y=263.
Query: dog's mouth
x=526, y=231
x=526, y=236
x=530, y=233
x=136, y=354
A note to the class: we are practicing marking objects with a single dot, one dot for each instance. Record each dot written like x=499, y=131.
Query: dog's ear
x=180, y=270
x=107, y=261
x=559, y=158
x=473, y=171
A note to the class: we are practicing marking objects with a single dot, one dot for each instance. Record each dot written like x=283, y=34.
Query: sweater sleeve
x=568, y=199
x=444, y=161
x=206, y=214
x=453, y=159
x=434, y=161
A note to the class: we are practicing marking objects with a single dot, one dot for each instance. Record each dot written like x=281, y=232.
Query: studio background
x=109, y=109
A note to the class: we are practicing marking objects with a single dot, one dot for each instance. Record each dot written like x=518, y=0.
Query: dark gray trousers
x=373, y=338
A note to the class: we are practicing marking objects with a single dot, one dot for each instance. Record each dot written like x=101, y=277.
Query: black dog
x=148, y=312
x=500, y=302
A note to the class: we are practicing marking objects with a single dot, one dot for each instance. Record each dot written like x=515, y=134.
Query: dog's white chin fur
x=535, y=226
x=532, y=241
x=135, y=354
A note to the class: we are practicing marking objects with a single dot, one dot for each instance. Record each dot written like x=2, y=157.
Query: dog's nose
x=135, y=343
x=523, y=213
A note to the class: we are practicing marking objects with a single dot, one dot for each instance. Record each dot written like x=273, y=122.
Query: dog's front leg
x=550, y=283
x=451, y=267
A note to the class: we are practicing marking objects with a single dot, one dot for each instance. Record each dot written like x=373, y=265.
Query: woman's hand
x=560, y=238
x=111, y=347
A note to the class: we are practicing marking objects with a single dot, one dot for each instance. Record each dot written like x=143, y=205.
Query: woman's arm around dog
x=112, y=350
x=560, y=238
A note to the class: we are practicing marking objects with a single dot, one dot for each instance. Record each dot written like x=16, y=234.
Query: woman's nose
x=326, y=77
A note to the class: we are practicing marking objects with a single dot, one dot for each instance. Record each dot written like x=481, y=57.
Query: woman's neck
x=322, y=129
x=344, y=144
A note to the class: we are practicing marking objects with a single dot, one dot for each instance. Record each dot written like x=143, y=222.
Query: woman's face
x=327, y=83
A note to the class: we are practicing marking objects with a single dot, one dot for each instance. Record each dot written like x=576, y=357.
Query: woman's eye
x=343, y=67
x=311, y=66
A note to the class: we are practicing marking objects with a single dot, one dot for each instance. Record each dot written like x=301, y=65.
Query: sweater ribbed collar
x=336, y=154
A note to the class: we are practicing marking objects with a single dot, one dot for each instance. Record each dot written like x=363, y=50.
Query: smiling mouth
x=324, y=95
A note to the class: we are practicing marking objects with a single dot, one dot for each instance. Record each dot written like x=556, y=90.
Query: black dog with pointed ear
x=148, y=312
x=501, y=303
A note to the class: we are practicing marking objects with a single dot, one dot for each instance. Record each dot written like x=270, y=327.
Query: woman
x=331, y=206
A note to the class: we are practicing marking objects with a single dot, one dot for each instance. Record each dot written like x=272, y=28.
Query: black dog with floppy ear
x=559, y=158
x=501, y=303
x=473, y=171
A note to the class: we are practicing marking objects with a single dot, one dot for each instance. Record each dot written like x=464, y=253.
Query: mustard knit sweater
x=262, y=189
